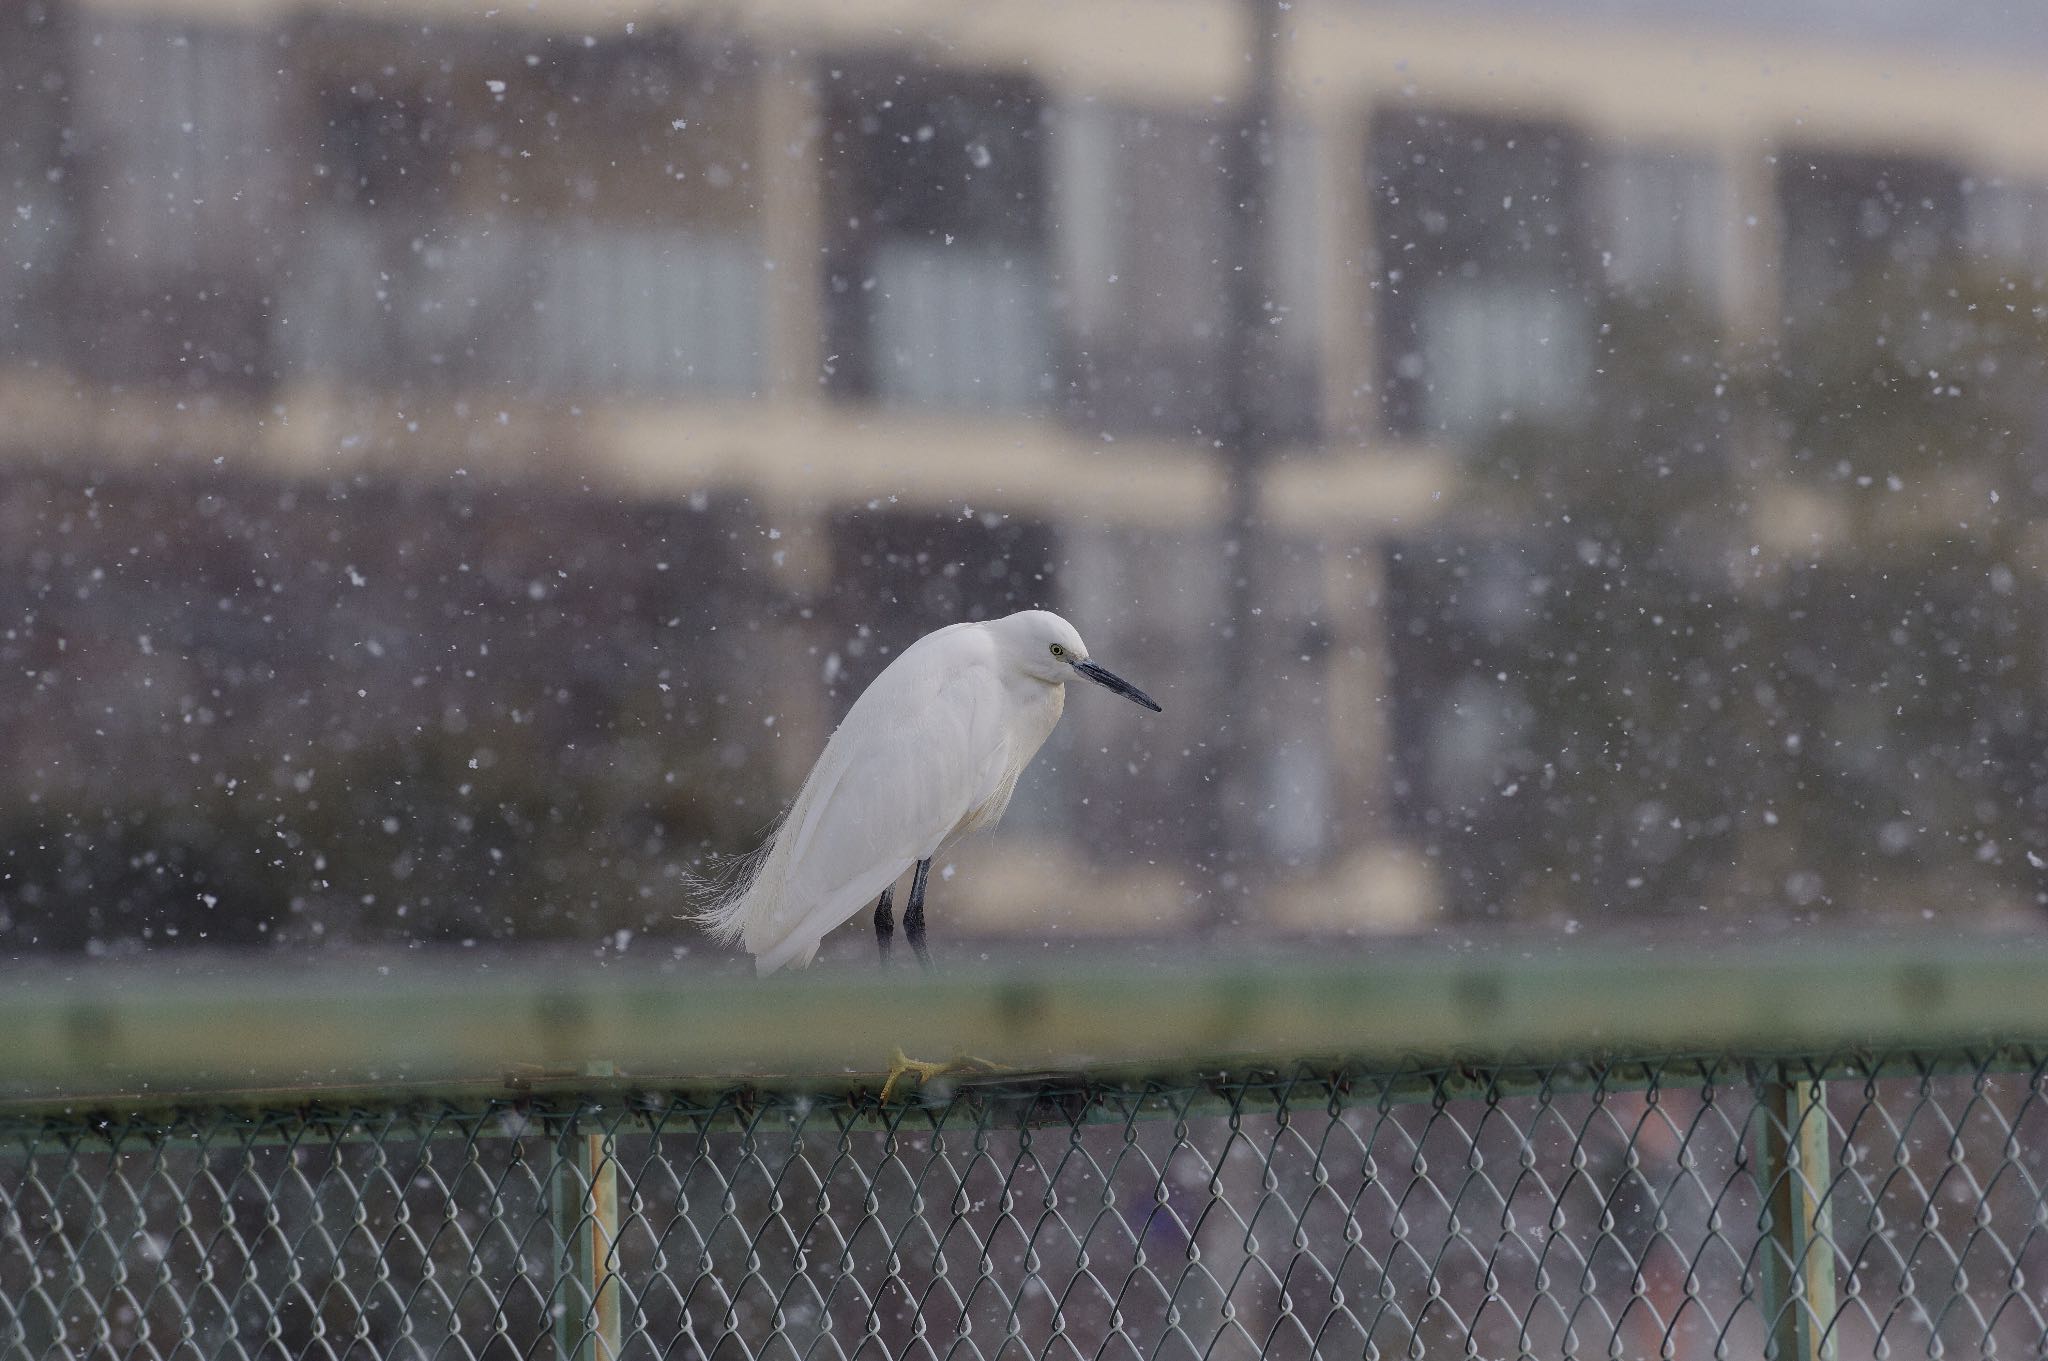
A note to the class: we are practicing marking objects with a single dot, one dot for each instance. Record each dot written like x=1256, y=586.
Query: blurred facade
x=476, y=457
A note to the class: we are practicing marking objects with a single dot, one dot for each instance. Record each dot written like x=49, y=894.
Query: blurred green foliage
x=1759, y=634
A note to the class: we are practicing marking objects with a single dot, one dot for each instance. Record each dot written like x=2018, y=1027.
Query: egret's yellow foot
x=901, y=1065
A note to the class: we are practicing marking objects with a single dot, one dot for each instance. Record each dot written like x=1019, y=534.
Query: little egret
x=929, y=752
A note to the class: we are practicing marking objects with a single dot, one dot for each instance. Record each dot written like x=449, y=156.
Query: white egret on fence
x=929, y=752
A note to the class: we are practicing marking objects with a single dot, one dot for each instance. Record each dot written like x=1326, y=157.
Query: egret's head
x=1047, y=647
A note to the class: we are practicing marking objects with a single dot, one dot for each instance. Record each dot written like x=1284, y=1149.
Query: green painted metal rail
x=152, y=1031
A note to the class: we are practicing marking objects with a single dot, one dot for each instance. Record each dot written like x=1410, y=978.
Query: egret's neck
x=1040, y=703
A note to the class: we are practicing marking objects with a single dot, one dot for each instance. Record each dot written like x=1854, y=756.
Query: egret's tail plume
x=720, y=898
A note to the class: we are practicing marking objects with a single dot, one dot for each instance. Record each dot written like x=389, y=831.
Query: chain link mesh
x=1682, y=1208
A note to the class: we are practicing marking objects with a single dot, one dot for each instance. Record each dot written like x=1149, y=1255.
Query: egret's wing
x=903, y=787
x=919, y=750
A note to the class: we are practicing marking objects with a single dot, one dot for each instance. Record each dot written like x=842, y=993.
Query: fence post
x=586, y=1212
x=1798, y=1261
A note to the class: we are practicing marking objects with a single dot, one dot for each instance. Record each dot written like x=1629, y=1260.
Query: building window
x=1486, y=309
x=487, y=225
x=1463, y=612
x=2006, y=225
x=180, y=123
x=38, y=227
x=1494, y=352
x=1142, y=217
x=1853, y=221
x=1143, y=227
x=937, y=278
x=1662, y=215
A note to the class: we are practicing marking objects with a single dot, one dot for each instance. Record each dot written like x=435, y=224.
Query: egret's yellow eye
x=1058, y=651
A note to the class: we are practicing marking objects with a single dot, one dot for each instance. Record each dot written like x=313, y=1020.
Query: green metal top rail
x=72, y=1032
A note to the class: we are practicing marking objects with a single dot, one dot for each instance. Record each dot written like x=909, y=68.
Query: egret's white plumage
x=929, y=752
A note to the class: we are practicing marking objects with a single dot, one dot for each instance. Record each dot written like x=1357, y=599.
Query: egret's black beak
x=1110, y=680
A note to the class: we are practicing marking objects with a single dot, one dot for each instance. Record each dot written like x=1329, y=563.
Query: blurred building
x=926, y=302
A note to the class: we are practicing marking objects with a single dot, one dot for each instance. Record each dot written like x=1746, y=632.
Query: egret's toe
x=901, y=1065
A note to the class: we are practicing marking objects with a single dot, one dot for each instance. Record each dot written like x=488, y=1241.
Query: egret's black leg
x=885, y=924
x=913, y=913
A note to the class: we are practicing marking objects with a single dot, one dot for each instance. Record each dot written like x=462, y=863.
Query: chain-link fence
x=1683, y=1207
